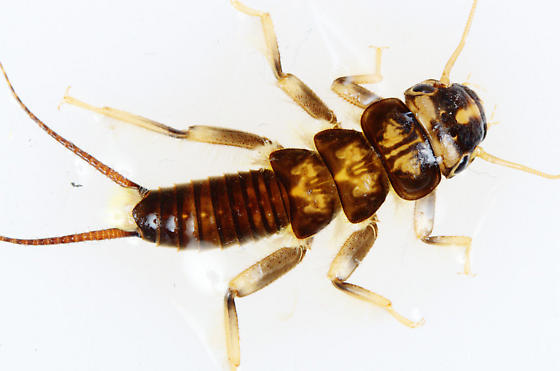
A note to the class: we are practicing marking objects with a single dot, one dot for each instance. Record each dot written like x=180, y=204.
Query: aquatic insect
x=265, y=180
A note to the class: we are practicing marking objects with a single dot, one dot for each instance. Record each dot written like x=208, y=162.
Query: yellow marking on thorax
x=308, y=187
x=408, y=163
x=366, y=185
x=355, y=171
x=392, y=134
x=351, y=153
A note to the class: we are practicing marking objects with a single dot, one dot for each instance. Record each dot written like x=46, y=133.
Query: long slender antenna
x=447, y=70
x=480, y=153
x=101, y=167
x=104, y=234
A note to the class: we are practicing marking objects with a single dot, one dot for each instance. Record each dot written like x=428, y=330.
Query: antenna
x=480, y=153
x=447, y=70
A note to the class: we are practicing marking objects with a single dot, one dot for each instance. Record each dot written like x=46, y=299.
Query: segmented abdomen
x=220, y=211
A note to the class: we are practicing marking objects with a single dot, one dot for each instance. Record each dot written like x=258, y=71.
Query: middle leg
x=347, y=260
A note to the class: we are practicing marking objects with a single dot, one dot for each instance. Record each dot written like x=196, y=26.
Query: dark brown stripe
x=284, y=197
x=238, y=204
x=213, y=197
x=222, y=211
x=188, y=219
x=253, y=208
x=264, y=202
x=196, y=188
x=275, y=196
x=233, y=209
x=209, y=228
x=405, y=147
x=179, y=193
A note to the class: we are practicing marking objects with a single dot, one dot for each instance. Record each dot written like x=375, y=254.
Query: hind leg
x=196, y=133
x=249, y=281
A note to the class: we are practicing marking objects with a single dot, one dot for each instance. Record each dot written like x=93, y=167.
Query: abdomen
x=218, y=211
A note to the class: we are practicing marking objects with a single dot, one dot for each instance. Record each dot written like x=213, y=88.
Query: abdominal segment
x=216, y=212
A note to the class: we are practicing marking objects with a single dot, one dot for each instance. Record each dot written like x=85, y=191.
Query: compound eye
x=462, y=165
x=423, y=88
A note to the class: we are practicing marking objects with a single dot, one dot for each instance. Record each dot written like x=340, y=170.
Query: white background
x=126, y=305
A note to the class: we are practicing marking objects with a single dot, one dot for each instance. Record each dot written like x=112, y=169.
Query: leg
x=347, y=260
x=424, y=211
x=293, y=86
x=349, y=89
x=251, y=280
x=196, y=133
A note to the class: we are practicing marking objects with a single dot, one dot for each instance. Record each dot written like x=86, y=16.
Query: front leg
x=424, y=212
x=347, y=260
x=349, y=88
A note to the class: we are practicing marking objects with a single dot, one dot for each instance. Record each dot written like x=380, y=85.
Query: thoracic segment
x=311, y=191
x=403, y=147
x=357, y=172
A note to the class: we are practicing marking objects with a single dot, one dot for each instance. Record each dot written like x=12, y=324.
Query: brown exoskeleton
x=348, y=170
